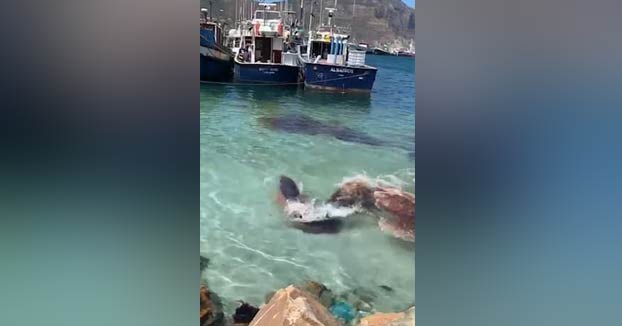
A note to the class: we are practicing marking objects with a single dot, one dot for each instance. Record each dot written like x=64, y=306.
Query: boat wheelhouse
x=260, y=49
x=330, y=64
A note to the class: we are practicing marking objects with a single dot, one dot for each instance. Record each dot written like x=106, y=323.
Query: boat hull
x=262, y=73
x=215, y=65
x=339, y=78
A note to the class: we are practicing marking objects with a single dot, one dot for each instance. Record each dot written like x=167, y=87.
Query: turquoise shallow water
x=252, y=251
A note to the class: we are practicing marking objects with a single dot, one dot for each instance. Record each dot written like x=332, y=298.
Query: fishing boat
x=329, y=63
x=216, y=60
x=405, y=53
x=378, y=51
x=260, y=49
x=410, y=52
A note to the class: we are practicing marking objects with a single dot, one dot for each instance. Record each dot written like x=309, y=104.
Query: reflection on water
x=251, y=249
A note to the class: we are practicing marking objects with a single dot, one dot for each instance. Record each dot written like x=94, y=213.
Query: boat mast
x=321, y=11
x=302, y=16
x=310, y=17
x=309, y=32
x=335, y=10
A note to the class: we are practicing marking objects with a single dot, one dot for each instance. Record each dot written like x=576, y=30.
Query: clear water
x=251, y=249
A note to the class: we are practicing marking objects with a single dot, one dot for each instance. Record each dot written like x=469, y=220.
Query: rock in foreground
x=406, y=318
x=294, y=307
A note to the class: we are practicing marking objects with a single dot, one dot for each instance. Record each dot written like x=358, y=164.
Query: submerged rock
x=210, y=309
x=405, y=318
x=294, y=307
x=362, y=299
x=204, y=262
x=320, y=291
x=343, y=311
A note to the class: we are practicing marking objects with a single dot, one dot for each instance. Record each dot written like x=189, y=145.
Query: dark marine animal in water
x=289, y=192
x=302, y=124
x=288, y=188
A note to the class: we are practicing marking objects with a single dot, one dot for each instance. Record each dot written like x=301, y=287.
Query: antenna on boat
x=210, y=10
x=204, y=13
x=331, y=12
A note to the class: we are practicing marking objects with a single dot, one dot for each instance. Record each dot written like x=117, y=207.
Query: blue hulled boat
x=261, y=56
x=330, y=64
x=216, y=59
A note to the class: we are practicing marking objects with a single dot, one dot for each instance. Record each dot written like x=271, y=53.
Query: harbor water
x=252, y=251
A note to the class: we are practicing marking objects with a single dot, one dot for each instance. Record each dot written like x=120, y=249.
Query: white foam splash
x=385, y=181
x=310, y=212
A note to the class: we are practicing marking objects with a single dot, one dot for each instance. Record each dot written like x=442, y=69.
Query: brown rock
x=399, y=203
x=210, y=310
x=268, y=297
x=294, y=307
x=354, y=192
x=380, y=319
x=405, y=318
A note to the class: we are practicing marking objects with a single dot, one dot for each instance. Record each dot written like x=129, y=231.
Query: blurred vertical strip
x=99, y=166
x=518, y=156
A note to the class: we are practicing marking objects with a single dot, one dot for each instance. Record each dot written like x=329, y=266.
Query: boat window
x=267, y=15
x=263, y=49
x=319, y=48
x=233, y=43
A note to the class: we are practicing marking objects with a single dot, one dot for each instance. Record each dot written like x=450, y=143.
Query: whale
x=297, y=123
x=303, y=124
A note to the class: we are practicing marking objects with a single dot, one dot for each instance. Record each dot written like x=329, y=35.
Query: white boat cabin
x=329, y=45
x=260, y=40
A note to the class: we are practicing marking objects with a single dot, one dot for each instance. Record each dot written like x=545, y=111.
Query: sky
x=409, y=2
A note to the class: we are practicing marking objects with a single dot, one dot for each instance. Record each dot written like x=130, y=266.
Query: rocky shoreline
x=309, y=303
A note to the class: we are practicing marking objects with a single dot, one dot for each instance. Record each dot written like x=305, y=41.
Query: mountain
x=377, y=22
